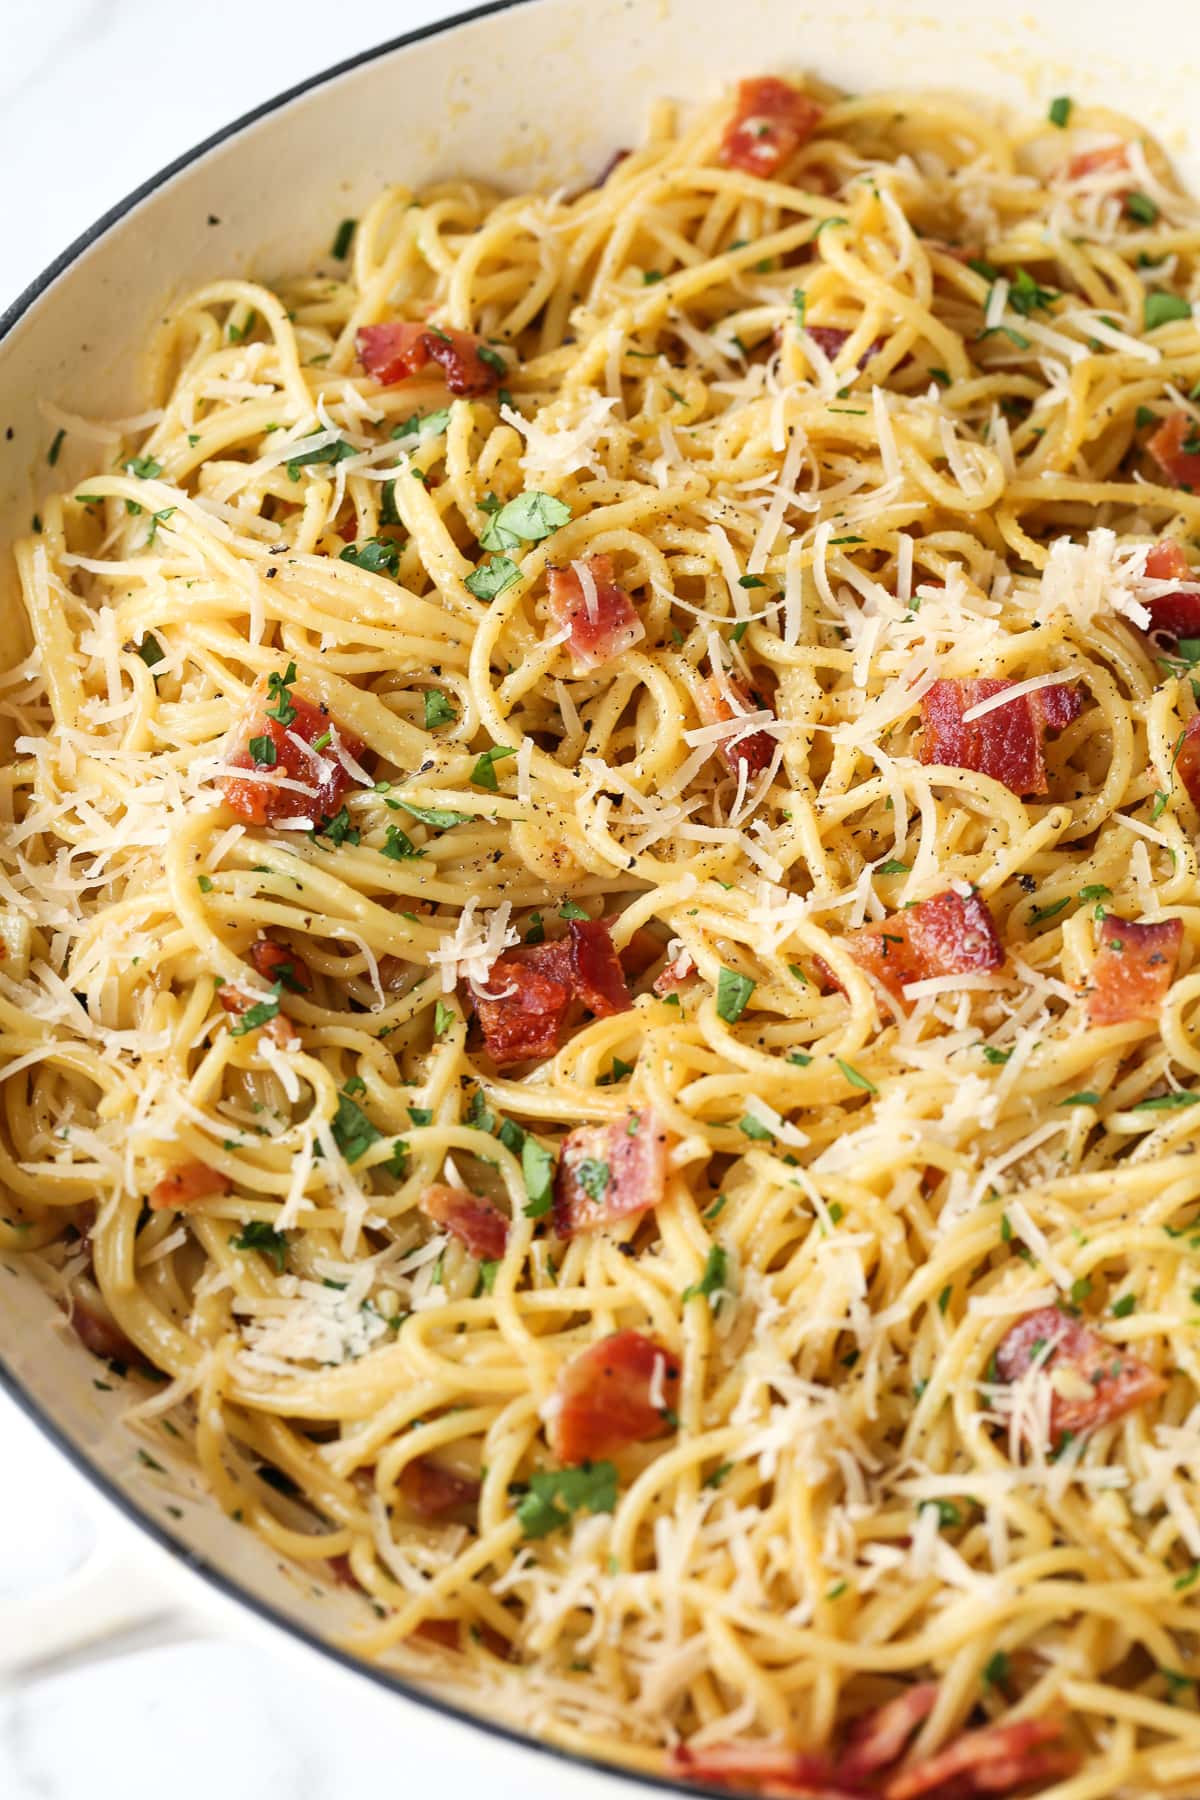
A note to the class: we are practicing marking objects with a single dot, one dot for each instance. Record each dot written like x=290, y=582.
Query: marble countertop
x=95, y=95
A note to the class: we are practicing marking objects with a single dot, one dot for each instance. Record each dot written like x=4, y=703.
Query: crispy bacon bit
x=877, y=1740
x=276, y=962
x=772, y=121
x=323, y=778
x=476, y=1223
x=186, y=1183
x=1092, y=1380
x=99, y=1332
x=641, y=952
x=617, y=1392
x=994, y=1760
x=343, y=1574
x=1094, y=162
x=676, y=976
x=608, y=1172
x=1175, y=447
x=1005, y=743
x=442, y=1632
x=754, y=748
x=597, y=975
x=279, y=1028
x=763, y=1768
x=601, y=625
x=1134, y=967
x=534, y=988
x=393, y=352
x=945, y=935
x=1178, y=615
x=831, y=338
x=433, y=1491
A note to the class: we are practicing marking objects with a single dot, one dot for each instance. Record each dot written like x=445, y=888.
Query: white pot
x=534, y=93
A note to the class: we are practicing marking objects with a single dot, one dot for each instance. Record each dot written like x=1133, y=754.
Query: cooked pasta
x=600, y=939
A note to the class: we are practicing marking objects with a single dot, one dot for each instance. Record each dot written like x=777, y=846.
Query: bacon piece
x=1187, y=760
x=877, y=1740
x=1175, y=447
x=831, y=338
x=617, y=1392
x=1005, y=743
x=608, y=1172
x=343, y=1574
x=754, y=748
x=641, y=952
x=433, y=1491
x=769, y=1769
x=442, y=1632
x=529, y=994
x=1176, y=614
x=596, y=972
x=993, y=1760
x=1092, y=1379
x=476, y=1223
x=392, y=352
x=772, y=120
x=1134, y=967
x=604, y=628
x=186, y=1183
x=279, y=1029
x=324, y=778
x=1095, y=162
x=276, y=962
x=535, y=986
x=99, y=1332
x=945, y=935
x=676, y=976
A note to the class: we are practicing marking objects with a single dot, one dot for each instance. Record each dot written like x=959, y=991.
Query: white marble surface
x=95, y=95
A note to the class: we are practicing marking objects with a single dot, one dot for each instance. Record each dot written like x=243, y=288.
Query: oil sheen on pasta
x=853, y=1358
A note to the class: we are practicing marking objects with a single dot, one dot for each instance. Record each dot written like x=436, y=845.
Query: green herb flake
x=353, y=1132
x=256, y=1234
x=343, y=238
x=438, y=710
x=893, y=866
x=1060, y=111
x=261, y=1013
x=855, y=1078
x=483, y=775
x=1164, y=309
x=1166, y=1102
x=537, y=1167
x=263, y=753
x=492, y=578
x=1122, y=1308
x=733, y=995
x=55, y=447
x=554, y=1494
x=528, y=519
x=441, y=818
x=378, y=556
x=714, y=1279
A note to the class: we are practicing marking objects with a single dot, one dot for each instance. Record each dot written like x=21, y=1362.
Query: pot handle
x=113, y=1602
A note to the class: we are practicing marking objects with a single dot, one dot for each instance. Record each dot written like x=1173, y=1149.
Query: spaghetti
x=600, y=937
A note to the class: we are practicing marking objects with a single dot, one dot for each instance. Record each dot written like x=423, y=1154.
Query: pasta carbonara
x=599, y=995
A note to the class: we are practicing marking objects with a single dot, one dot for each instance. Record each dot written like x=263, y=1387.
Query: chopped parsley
x=338, y=829
x=1166, y=1102
x=714, y=1279
x=528, y=519
x=593, y=1176
x=335, y=452
x=444, y=1018
x=146, y=468
x=733, y=995
x=893, y=866
x=484, y=773
x=1060, y=111
x=398, y=846
x=343, y=239
x=754, y=1128
x=1163, y=309
x=492, y=578
x=1142, y=208
x=441, y=818
x=855, y=1078
x=438, y=710
x=1122, y=1308
x=261, y=1013
x=150, y=650
x=263, y=753
x=379, y=556
x=353, y=1132
x=1087, y=1097
x=258, y=1235
x=537, y=1167
x=554, y=1494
